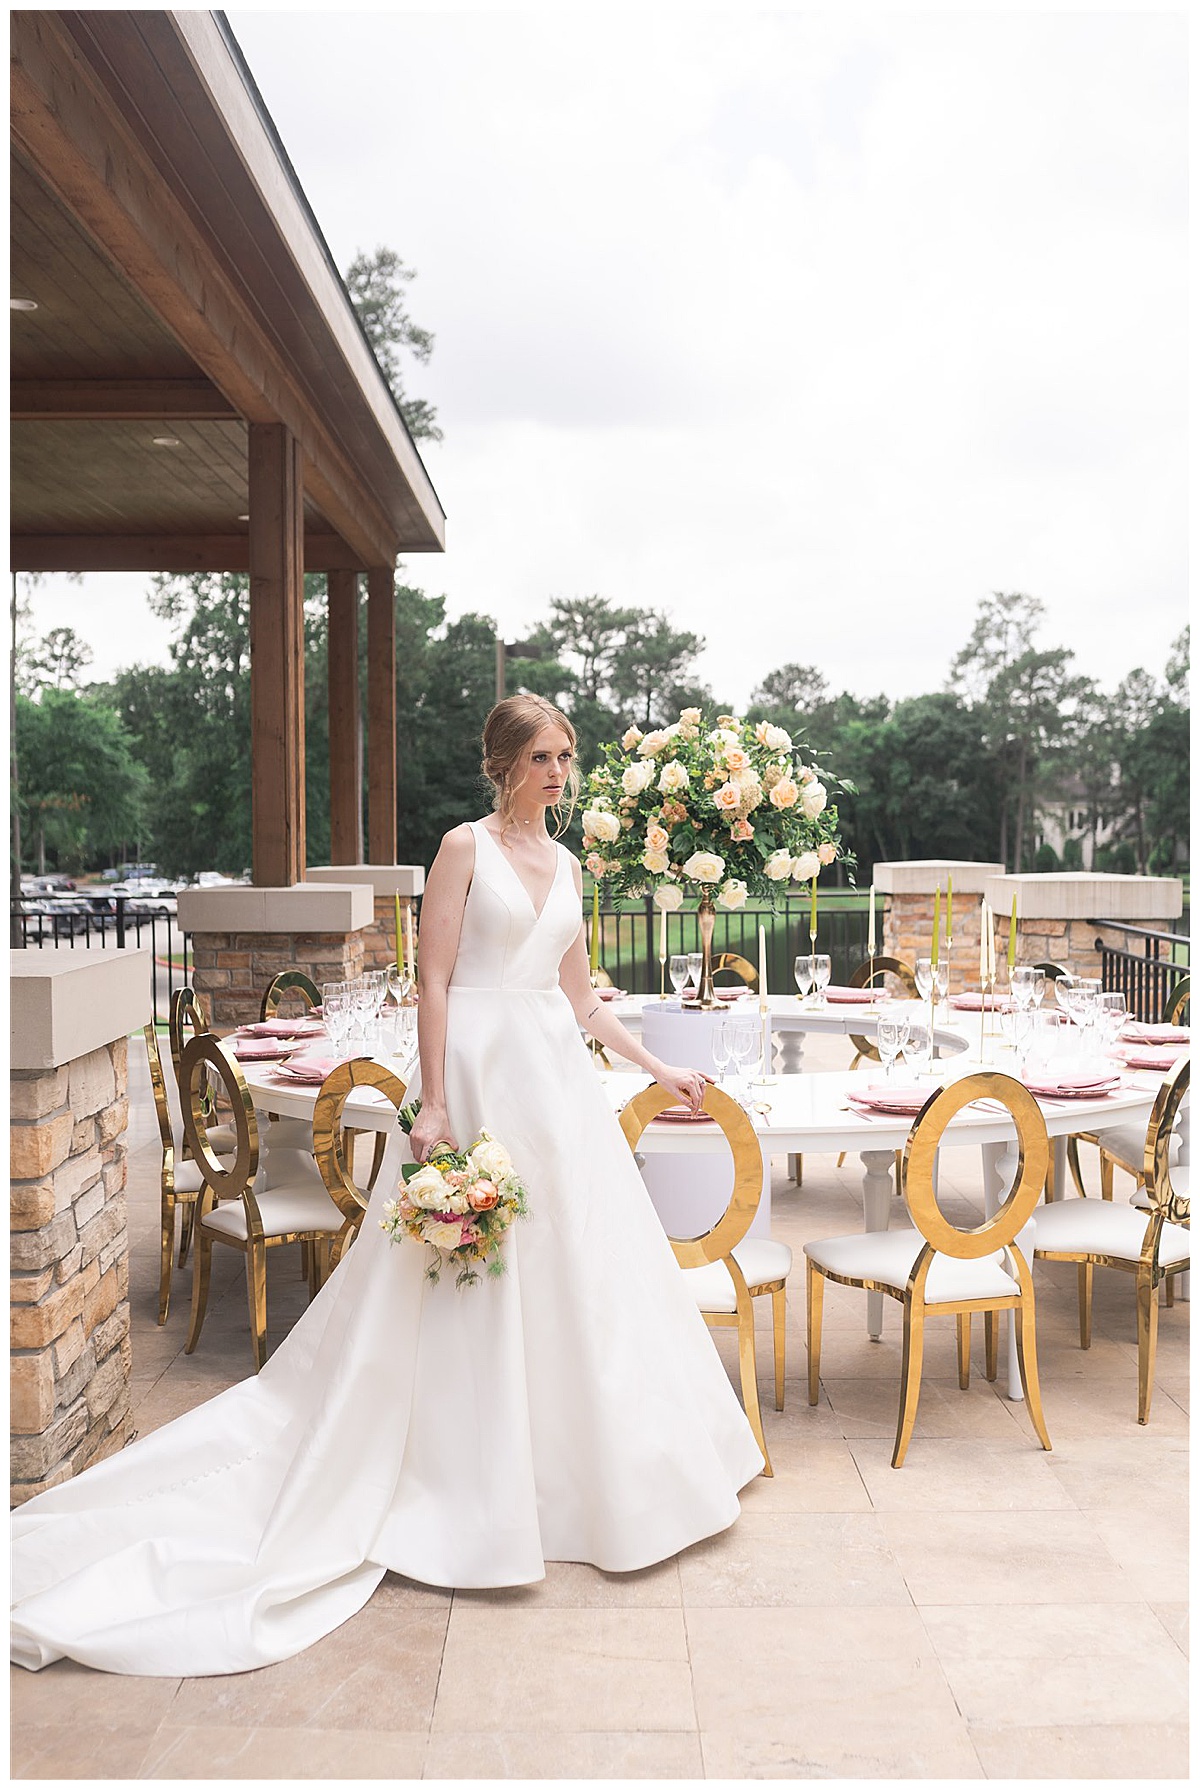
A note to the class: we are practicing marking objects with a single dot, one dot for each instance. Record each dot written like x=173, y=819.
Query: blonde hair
x=508, y=736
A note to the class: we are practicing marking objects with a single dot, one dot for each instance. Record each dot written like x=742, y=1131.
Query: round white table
x=791, y=1019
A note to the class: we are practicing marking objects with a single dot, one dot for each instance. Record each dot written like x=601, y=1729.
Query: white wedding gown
x=573, y=1409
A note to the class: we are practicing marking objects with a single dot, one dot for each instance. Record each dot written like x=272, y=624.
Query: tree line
x=154, y=764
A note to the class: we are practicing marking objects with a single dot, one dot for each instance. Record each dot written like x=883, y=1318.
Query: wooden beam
x=118, y=400
x=345, y=732
x=164, y=553
x=276, y=657
x=381, y=715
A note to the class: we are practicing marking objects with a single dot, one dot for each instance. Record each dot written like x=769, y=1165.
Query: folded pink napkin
x=883, y=1097
x=683, y=1115
x=1134, y=1032
x=729, y=994
x=971, y=1000
x=1069, y=1087
x=836, y=992
x=258, y=1050
x=611, y=994
x=280, y=1028
x=310, y=1069
x=1147, y=1058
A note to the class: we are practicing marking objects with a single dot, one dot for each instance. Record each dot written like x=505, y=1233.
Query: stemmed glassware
x=695, y=964
x=722, y=1049
x=822, y=968
x=1017, y=1026
x=1111, y=1014
x=891, y=1036
x=335, y=1001
x=802, y=969
x=362, y=1006
x=677, y=969
x=399, y=982
x=917, y=1048
x=743, y=1040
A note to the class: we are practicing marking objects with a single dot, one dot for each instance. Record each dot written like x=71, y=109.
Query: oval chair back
x=289, y=982
x=186, y=1020
x=1179, y=998
x=1167, y=1205
x=741, y=967
x=204, y=1062
x=863, y=978
x=158, y=1087
x=718, y=1243
x=329, y=1141
x=1055, y=971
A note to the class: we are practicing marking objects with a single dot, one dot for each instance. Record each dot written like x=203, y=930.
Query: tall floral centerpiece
x=721, y=811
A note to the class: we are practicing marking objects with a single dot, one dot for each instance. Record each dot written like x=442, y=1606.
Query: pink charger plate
x=729, y=994
x=970, y=1001
x=611, y=994
x=837, y=993
x=900, y=1102
x=1144, y=1058
x=1092, y=1089
x=682, y=1115
x=281, y=1028
x=309, y=1071
x=1133, y=1032
x=259, y=1050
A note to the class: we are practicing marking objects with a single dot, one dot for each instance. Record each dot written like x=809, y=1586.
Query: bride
x=573, y=1408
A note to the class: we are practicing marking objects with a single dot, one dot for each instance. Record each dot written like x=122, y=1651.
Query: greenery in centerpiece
x=724, y=810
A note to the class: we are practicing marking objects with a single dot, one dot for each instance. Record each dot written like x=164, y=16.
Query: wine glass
x=1111, y=1014
x=695, y=964
x=1016, y=1025
x=822, y=969
x=802, y=969
x=1039, y=987
x=890, y=1037
x=1062, y=990
x=404, y=1033
x=677, y=969
x=399, y=982
x=338, y=1017
x=1022, y=984
x=941, y=981
x=917, y=1048
x=744, y=1039
x=362, y=1002
x=923, y=976
x=722, y=1049
x=375, y=982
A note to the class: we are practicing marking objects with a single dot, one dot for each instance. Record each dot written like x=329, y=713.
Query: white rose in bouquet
x=652, y=743
x=733, y=893
x=427, y=1190
x=668, y=896
x=630, y=738
x=491, y=1159
x=442, y=1236
x=704, y=867
x=812, y=799
x=674, y=777
x=598, y=823
x=778, y=866
x=656, y=862
x=775, y=739
x=637, y=778
x=806, y=867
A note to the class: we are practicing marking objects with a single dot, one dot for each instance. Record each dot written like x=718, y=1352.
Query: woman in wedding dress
x=572, y=1408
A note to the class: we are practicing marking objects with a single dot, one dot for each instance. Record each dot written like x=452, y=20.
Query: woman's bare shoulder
x=573, y=861
x=457, y=850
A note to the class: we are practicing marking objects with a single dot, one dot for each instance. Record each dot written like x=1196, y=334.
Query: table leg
x=791, y=1055
x=999, y=1173
x=877, y=1207
x=1059, y=1146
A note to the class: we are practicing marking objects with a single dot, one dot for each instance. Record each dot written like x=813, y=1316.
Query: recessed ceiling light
x=22, y=304
x=245, y=518
x=167, y=441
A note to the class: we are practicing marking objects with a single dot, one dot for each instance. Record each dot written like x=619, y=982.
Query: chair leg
x=963, y=1321
x=814, y=1303
x=201, y=1272
x=991, y=1338
x=256, y=1293
x=1074, y=1165
x=1106, y=1175
x=186, y=1224
x=1147, y=1329
x=910, y=1382
x=796, y=1169
x=1169, y=1288
x=1085, y=1305
x=749, y=1373
x=899, y=1173
x=377, y=1159
x=779, y=1327
x=167, y=1250
x=1027, y=1363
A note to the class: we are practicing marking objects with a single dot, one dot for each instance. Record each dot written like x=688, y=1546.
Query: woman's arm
x=441, y=923
x=575, y=980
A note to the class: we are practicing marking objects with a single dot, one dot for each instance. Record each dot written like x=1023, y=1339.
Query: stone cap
x=1087, y=895
x=304, y=907
x=385, y=879
x=63, y=1004
x=921, y=876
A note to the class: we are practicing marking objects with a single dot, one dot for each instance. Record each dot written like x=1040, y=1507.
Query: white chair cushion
x=888, y=1257
x=293, y=1207
x=222, y=1139
x=1104, y=1227
x=760, y=1260
x=188, y=1178
x=1128, y=1143
x=1179, y=1181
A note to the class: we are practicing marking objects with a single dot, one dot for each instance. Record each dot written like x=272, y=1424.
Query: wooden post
x=276, y=655
x=381, y=716
x=345, y=750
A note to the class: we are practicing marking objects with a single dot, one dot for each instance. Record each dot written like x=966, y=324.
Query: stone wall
x=379, y=938
x=69, y=1260
x=908, y=934
x=234, y=970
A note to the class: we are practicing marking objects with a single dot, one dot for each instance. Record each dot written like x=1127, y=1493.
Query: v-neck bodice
x=505, y=942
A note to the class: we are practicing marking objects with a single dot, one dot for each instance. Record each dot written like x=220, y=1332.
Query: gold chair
x=180, y=1180
x=187, y=1020
x=1150, y=1242
x=294, y=1208
x=330, y=1149
x=937, y=1268
x=289, y=982
x=724, y=1270
x=1179, y=998
x=729, y=960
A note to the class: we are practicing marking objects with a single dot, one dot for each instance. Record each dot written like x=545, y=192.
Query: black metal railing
x=84, y=922
x=630, y=940
x=1145, y=970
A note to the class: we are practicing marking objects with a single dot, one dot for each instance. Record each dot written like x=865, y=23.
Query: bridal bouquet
x=730, y=809
x=459, y=1204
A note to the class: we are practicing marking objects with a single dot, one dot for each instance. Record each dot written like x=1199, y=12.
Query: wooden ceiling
x=182, y=291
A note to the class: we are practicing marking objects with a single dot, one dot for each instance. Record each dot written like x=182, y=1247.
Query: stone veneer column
x=68, y=1244
x=387, y=881
x=1061, y=914
x=242, y=937
x=908, y=888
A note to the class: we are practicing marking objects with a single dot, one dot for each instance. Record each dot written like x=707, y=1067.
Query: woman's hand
x=432, y=1126
x=687, y=1085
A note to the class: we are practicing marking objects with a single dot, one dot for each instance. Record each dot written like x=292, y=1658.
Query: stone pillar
x=387, y=881
x=71, y=1013
x=1061, y=914
x=908, y=890
x=242, y=937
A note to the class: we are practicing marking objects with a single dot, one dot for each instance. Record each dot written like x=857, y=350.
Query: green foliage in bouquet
x=728, y=809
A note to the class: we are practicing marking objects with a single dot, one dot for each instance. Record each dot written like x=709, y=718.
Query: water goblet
x=399, y=982
x=890, y=1037
x=917, y=1048
x=677, y=969
x=923, y=977
x=802, y=969
x=695, y=963
x=941, y=980
x=1111, y=1014
x=1062, y=991
x=362, y=1002
x=744, y=1040
x=1039, y=987
x=338, y=1018
x=722, y=1049
x=822, y=969
x=1021, y=984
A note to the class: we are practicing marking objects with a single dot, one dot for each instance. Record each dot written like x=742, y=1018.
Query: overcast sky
x=810, y=329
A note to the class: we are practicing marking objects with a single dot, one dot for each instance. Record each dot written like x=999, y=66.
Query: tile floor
x=990, y=1611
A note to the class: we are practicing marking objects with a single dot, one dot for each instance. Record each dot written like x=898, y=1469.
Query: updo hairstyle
x=508, y=736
